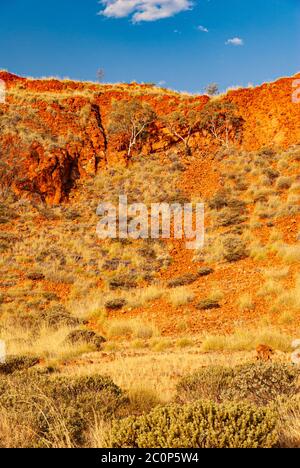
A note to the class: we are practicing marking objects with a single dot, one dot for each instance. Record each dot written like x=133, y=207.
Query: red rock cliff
x=53, y=132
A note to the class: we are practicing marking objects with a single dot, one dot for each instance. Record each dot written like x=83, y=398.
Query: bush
x=205, y=271
x=115, y=304
x=184, y=280
x=262, y=383
x=189, y=278
x=272, y=174
x=207, y=383
x=35, y=276
x=230, y=217
x=198, y=425
x=85, y=337
x=234, y=249
x=59, y=408
x=284, y=183
x=208, y=304
x=123, y=283
x=17, y=363
x=259, y=383
x=57, y=316
x=267, y=153
x=219, y=200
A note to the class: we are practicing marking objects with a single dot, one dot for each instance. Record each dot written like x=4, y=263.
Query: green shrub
x=199, y=425
x=89, y=391
x=208, y=304
x=35, y=276
x=230, y=217
x=115, y=304
x=205, y=271
x=17, y=363
x=284, y=183
x=262, y=383
x=259, y=383
x=234, y=249
x=183, y=280
x=219, y=200
x=207, y=383
x=123, y=283
x=58, y=407
x=85, y=337
x=57, y=316
x=271, y=173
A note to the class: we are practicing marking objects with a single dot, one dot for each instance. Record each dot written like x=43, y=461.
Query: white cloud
x=203, y=29
x=235, y=41
x=143, y=10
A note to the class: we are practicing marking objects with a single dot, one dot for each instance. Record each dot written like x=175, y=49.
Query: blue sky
x=231, y=42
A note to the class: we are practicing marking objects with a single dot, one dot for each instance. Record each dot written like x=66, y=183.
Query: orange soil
x=271, y=119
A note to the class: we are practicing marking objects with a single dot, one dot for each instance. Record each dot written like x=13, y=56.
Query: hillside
x=55, y=142
x=55, y=132
x=144, y=311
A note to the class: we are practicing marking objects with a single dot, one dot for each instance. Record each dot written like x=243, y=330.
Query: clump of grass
x=289, y=253
x=142, y=399
x=271, y=287
x=286, y=318
x=289, y=422
x=132, y=327
x=215, y=294
x=258, y=251
x=160, y=344
x=180, y=296
x=242, y=340
x=245, y=302
x=140, y=297
x=290, y=298
x=44, y=342
x=184, y=342
x=111, y=346
x=277, y=273
x=139, y=344
x=284, y=183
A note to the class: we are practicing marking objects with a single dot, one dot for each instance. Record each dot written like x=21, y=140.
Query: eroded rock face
x=271, y=117
x=53, y=132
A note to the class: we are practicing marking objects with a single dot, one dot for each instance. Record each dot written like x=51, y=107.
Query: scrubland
x=137, y=343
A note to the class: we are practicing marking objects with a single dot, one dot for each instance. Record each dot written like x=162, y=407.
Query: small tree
x=212, y=89
x=100, y=75
x=182, y=123
x=131, y=120
x=222, y=121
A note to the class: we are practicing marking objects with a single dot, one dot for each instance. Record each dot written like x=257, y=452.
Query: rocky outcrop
x=53, y=132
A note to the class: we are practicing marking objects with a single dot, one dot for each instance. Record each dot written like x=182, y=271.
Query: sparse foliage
x=100, y=74
x=198, y=425
x=222, y=121
x=212, y=89
x=131, y=120
x=182, y=123
x=258, y=383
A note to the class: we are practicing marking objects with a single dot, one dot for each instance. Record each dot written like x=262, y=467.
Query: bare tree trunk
x=188, y=151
